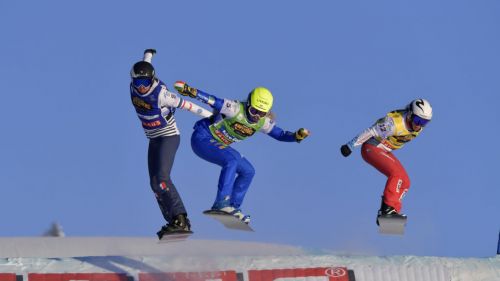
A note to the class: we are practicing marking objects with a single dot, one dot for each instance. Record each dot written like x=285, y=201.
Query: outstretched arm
x=282, y=135
x=169, y=99
x=194, y=108
x=287, y=136
x=383, y=128
x=184, y=89
x=279, y=134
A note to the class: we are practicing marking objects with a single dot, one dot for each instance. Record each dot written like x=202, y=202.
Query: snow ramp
x=143, y=259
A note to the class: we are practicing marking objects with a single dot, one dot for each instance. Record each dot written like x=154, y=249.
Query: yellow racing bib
x=401, y=134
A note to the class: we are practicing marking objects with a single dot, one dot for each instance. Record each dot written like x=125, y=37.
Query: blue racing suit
x=211, y=141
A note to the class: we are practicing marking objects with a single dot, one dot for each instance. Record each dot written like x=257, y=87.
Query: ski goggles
x=255, y=112
x=419, y=121
x=142, y=82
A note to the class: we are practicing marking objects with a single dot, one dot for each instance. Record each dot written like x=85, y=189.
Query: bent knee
x=161, y=186
x=246, y=168
x=248, y=171
x=403, y=181
x=231, y=163
x=406, y=181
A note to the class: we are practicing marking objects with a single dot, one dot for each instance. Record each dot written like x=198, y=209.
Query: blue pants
x=237, y=172
x=161, y=155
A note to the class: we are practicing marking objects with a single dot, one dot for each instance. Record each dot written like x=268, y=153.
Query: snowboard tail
x=175, y=237
x=392, y=224
x=228, y=220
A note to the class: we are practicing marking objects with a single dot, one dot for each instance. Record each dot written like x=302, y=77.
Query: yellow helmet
x=261, y=99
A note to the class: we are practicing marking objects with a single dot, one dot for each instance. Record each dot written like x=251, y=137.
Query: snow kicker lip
x=62, y=247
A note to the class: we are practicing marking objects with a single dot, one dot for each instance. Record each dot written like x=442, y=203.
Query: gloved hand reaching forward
x=184, y=89
x=345, y=150
x=301, y=134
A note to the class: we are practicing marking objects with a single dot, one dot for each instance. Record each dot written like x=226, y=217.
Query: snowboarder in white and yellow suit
x=387, y=134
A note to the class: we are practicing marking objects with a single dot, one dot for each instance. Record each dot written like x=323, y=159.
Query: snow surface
x=60, y=247
x=134, y=255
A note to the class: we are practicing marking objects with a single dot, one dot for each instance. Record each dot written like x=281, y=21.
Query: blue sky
x=73, y=150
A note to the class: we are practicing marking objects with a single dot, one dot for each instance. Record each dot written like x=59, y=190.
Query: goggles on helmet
x=144, y=82
x=255, y=112
x=419, y=121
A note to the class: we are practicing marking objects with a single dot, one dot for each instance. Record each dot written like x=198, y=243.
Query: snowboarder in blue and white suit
x=155, y=106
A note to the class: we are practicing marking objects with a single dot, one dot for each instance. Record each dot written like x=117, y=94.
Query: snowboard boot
x=179, y=225
x=387, y=211
x=223, y=206
x=242, y=217
x=226, y=207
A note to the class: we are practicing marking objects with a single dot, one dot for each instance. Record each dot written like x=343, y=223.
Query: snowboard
x=175, y=237
x=229, y=221
x=392, y=224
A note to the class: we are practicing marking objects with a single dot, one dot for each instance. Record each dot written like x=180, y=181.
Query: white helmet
x=422, y=108
x=419, y=112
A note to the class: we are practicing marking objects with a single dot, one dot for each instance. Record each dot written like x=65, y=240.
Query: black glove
x=345, y=150
x=152, y=51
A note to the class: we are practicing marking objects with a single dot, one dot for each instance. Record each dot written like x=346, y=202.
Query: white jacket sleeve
x=169, y=99
x=194, y=108
x=383, y=128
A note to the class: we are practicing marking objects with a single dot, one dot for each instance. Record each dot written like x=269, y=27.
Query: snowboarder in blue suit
x=234, y=121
